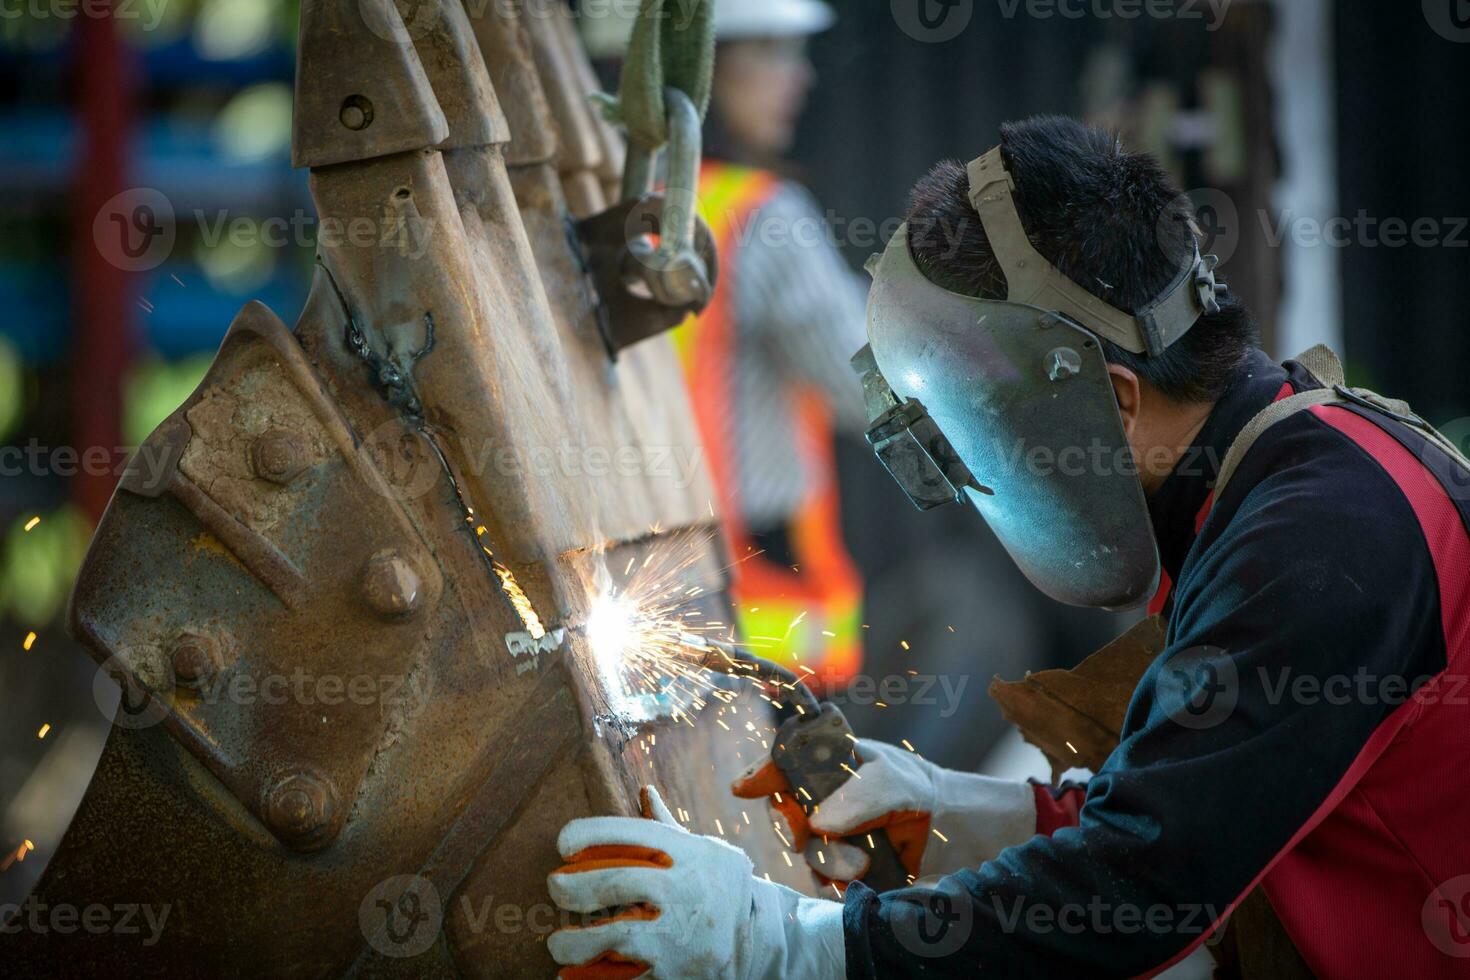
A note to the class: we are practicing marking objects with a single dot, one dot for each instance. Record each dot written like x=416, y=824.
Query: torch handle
x=885, y=871
x=817, y=752
x=815, y=748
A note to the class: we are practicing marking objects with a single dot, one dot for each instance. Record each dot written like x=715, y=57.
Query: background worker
x=767, y=360
x=1302, y=532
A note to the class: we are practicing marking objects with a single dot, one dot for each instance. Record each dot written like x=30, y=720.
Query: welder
x=1047, y=342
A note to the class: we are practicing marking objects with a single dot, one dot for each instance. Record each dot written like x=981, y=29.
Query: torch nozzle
x=725, y=658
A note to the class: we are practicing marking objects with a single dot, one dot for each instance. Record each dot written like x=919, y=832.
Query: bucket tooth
x=361, y=91
x=451, y=58
x=505, y=44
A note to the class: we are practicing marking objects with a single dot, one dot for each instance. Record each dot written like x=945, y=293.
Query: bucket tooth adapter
x=340, y=586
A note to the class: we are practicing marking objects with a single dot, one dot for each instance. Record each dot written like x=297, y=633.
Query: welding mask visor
x=1010, y=406
x=1009, y=403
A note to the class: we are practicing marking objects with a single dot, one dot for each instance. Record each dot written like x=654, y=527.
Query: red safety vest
x=808, y=615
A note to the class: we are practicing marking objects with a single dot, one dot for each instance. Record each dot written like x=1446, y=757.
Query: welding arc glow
x=610, y=628
x=648, y=636
x=639, y=630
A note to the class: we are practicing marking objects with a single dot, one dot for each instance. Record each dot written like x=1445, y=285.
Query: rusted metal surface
x=343, y=583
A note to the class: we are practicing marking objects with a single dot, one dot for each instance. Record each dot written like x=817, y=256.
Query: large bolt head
x=197, y=659
x=356, y=112
x=302, y=810
x=278, y=455
x=390, y=585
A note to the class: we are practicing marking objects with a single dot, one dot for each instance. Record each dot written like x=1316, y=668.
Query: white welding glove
x=938, y=820
x=691, y=907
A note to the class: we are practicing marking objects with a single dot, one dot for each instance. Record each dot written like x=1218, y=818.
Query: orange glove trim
x=605, y=856
x=769, y=781
x=608, y=966
x=907, y=829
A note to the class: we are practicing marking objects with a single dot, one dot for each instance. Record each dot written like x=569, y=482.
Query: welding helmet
x=1008, y=403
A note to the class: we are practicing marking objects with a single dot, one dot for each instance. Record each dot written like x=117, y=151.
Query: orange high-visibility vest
x=808, y=615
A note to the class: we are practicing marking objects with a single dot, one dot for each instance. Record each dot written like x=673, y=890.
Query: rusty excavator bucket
x=345, y=585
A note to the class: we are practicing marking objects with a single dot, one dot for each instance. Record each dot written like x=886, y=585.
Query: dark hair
x=1111, y=221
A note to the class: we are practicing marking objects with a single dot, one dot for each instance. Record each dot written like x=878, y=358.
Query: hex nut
x=197, y=659
x=302, y=810
x=278, y=455
x=390, y=585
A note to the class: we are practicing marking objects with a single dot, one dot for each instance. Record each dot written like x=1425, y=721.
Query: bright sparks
x=30, y=524
x=29, y=641
x=647, y=629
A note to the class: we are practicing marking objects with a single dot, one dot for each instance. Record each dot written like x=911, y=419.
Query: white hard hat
x=607, y=24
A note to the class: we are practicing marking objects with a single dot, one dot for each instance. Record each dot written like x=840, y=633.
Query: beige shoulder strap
x=1322, y=364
